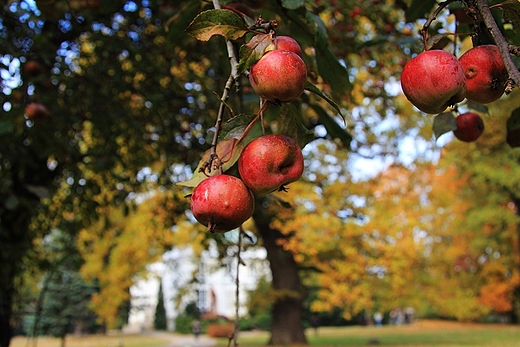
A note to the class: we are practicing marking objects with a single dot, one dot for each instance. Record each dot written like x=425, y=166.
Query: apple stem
x=211, y=227
x=502, y=44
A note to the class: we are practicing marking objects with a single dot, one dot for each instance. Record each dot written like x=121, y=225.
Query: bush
x=220, y=330
x=260, y=321
x=183, y=324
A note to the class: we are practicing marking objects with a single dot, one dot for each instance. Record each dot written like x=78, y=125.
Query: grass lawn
x=425, y=333
x=115, y=340
x=421, y=334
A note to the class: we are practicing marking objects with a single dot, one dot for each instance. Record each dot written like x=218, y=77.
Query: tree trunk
x=13, y=246
x=5, y=315
x=287, y=311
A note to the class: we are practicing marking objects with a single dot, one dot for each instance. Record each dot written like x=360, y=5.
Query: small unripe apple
x=279, y=76
x=270, y=162
x=222, y=203
x=485, y=72
x=36, y=112
x=433, y=80
x=287, y=43
x=469, y=127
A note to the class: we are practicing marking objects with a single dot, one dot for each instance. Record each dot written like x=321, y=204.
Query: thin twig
x=237, y=281
x=431, y=18
x=502, y=44
x=232, y=80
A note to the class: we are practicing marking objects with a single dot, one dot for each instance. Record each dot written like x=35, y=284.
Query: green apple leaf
x=329, y=66
x=315, y=90
x=419, y=9
x=292, y=4
x=235, y=127
x=252, y=51
x=333, y=128
x=290, y=123
x=444, y=123
x=217, y=22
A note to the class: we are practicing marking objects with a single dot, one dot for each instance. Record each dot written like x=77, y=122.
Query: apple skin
x=485, y=73
x=269, y=162
x=279, y=76
x=433, y=80
x=469, y=127
x=287, y=43
x=222, y=203
x=36, y=112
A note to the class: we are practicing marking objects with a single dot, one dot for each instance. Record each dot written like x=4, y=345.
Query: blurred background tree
x=130, y=108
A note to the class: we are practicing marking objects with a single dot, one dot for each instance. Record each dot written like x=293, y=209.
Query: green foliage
x=184, y=321
x=260, y=321
x=160, y=321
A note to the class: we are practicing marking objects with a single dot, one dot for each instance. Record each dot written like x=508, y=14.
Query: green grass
x=421, y=334
x=126, y=340
x=425, y=333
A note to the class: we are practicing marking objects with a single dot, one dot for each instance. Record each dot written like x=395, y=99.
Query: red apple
x=433, y=80
x=279, y=76
x=486, y=74
x=469, y=127
x=222, y=203
x=36, y=112
x=270, y=162
x=287, y=43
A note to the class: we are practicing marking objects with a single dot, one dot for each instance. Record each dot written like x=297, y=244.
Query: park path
x=178, y=340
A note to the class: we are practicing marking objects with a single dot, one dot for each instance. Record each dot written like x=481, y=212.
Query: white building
x=208, y=281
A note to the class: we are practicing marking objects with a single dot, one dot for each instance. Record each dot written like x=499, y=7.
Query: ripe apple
x=222, y=203
x=36, y=112
x=486, y=74
x=469, y=127
x=287, y=43
x=433, y=80
x=270, y=162
x=279, y=76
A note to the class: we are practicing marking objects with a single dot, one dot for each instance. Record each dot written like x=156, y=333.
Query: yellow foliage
x=118, y=248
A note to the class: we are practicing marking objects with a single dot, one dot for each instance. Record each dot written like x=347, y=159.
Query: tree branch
x=502, y=44
x=431, y=18
x=233, y=79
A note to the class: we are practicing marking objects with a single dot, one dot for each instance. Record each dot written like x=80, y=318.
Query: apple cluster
x=269, y=162
x=436, y=79
x=223, y=202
